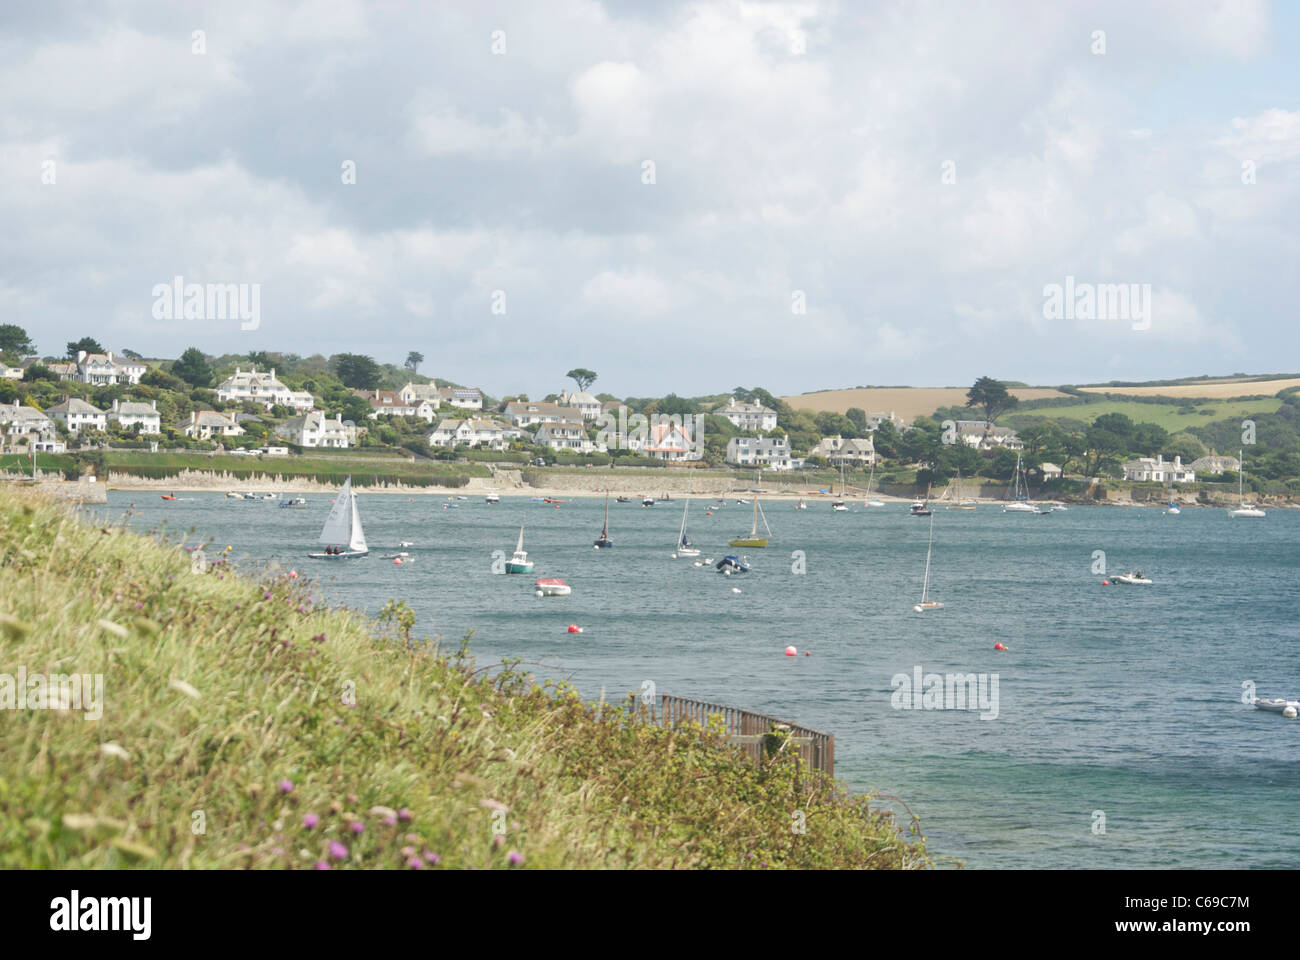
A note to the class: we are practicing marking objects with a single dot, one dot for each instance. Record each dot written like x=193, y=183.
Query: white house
x=1050, y=471
x=562, y=435
x=412, y=393
x=984, y=436
x=263, y=388
x=770, y=452
x=313, y=429
x=669, y=441
x=523, y=413
x=388, y=403
x=583, y=402
x=205, y=424
x=748, y=416
x=1159, y=470
x=855, y=452
x=467, y=398
x=10, y=373
x=144, y=415
x=1215, y=464
x=471, y=433
x=78, y=415
x=18, y=421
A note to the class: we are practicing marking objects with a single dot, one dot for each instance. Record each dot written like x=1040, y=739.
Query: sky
x=682, y=197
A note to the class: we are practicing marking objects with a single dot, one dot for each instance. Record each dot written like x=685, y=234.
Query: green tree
x=992, y=396
x=413, y=361
x=89, y=344
x=193, y=368
x=582, y=377
x=858, y=417
x=357, y=371
x=14, y=339
x=38, y=371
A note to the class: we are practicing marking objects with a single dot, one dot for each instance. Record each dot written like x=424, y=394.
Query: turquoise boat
x=519, y=563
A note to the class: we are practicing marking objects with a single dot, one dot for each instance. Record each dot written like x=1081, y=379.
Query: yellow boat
x=753, y=540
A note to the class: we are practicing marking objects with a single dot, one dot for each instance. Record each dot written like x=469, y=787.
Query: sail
x=357, y=541
x=519, y=547
x=338, y=525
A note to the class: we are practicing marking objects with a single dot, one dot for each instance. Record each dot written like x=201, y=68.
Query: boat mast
x=604, y=531
x=1241, y=473
x=925, y=585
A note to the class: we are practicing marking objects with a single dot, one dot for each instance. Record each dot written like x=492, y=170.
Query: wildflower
x=404, y=814
x=415, y=863
x=358, y=827
x=286, y=786
x=310, y=820
x=337, y=850
x=408, y=851
x=432, y=859
x=267, y=595
x=390, y=821
x=321, y=865
x=515, y=857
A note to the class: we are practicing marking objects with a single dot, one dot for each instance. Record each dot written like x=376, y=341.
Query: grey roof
x=74, y=405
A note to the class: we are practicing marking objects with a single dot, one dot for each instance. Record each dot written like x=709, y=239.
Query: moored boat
x=552, y=587
x=519, y=563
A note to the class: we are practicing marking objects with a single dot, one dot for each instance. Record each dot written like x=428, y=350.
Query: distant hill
x=906, y=402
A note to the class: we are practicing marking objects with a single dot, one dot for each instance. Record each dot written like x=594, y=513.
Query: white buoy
x=1289, y=712
x=735, y=589
x=917, y=608
x=673, y=555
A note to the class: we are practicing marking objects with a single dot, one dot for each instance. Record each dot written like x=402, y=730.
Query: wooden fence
x=747, y=729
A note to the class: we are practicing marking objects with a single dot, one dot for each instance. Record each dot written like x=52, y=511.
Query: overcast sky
x=796, y=147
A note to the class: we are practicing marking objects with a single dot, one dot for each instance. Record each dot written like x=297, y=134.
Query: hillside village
x=280, y=405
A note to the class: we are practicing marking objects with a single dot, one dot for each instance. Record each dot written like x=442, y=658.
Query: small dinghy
x=491, y=498
x=293, y=502
x=405, y=543
x=1276, y=704
x=732, y=564
x=1136, y=579
x=169, y=496
x=623, y=500
x=552, y=587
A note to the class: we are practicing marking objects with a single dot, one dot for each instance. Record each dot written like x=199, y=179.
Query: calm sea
x=1115, y=702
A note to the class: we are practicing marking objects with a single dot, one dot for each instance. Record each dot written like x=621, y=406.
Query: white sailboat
x=342, y=534
x=926, y=603
x=873, y=502
x=1021, y=503
x=839, y=505
x=958, y=501
x=1243, y=509
x=519, y=562
x=683, y=546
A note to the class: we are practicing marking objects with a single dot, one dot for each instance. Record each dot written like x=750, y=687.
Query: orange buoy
x=1105, y=583
x=574, y=628
x=790, y=651
x=397, y=560
x=999, y=646
x=293, y=574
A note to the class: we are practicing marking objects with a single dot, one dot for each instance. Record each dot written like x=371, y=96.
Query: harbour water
x=1117, y=707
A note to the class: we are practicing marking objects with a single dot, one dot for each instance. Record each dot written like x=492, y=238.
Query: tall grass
x=245, y=726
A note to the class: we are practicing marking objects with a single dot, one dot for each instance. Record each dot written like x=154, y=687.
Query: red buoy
x=1105, y=583
x=999, y=646
x=790, y=651
x=574, y=628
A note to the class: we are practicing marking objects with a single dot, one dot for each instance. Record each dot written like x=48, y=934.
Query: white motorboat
x=839, y=506
x=552, y=587
x=492, y=498
x=1173, y=508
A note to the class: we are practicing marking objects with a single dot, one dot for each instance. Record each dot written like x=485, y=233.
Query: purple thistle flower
x=267, y=595
x=358, y=827
x=404, y=814
x=286, y=786
x=415, y=863
x=310, y=820
x=337, y=850
x=515, y=857
x=321, y=865
x=390, y=821
x=432, y=858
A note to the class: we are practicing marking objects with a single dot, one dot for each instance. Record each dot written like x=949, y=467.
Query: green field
x=1172, y=418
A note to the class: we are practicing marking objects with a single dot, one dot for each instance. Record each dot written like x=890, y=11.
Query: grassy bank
x=243, y=726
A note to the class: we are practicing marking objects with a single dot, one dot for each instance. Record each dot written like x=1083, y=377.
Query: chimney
x=154, y=404
x=110, y=356
x=115, y=402
x=273, y=373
